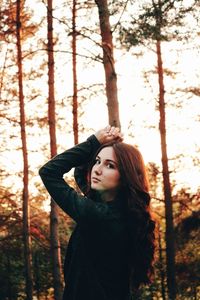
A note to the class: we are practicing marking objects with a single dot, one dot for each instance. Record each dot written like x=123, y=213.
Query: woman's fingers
x=113, y=133
x=111, y=130
x=108, y=128
x=109, y=134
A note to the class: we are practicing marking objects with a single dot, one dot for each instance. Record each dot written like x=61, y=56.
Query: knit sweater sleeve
x=78, y=207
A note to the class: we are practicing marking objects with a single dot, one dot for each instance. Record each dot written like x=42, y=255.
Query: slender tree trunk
x=195, y=293
x=9, y=273
x=37, y=275
x=55, y=243
x=26, y=214
x=3, y=72
x=170, y=248
x=162, y=275
x=75, y=97
x=109, y=64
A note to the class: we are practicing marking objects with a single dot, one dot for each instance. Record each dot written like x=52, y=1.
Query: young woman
x=112, y=247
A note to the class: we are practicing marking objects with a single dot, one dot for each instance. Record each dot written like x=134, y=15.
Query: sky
x=137, y=93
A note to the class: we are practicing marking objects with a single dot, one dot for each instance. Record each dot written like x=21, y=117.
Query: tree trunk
x=109, y=64
x=25, y=196
x=195, y=292
x=9, y=273
x=37, y=275
x=170, y=248
x=162, y=274
x=55, y=244
x=75, y=97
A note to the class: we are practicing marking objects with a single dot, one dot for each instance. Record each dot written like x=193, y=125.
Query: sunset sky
x=138, y=94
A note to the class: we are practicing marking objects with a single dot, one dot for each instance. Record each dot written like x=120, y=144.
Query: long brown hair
x=141, y=227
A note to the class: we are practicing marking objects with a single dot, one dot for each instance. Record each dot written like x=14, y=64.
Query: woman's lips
x=94, y=179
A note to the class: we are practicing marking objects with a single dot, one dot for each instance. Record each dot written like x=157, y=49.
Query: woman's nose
x=98, y=169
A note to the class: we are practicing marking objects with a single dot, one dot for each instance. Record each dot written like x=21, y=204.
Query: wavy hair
x=135, y=190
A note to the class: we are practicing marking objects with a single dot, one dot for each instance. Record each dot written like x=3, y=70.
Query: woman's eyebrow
x=110, y=160
x=107, y=160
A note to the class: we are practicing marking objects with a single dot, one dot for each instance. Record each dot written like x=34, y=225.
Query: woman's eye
x=110, y=166
x=97, y=162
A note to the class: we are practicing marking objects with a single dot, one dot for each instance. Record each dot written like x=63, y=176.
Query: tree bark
x=74, y=63
x=37, y=275
x=162, y=274
x=170, y=247
x=25, y=194
x=108, y=62
x=55, y=243
x=8, y=281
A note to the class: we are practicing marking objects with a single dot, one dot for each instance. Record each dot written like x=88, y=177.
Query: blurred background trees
x=69, y=68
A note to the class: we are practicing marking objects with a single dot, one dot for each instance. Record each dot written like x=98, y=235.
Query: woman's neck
x=108, y=196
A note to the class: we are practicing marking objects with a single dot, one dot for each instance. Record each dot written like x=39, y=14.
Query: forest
x=69, y=68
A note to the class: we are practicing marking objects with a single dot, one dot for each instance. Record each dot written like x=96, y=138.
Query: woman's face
x=105, y=175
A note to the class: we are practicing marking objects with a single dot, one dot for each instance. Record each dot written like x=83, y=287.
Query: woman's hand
x=109, y=134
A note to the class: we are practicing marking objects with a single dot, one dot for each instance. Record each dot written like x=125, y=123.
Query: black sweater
x=96, y=263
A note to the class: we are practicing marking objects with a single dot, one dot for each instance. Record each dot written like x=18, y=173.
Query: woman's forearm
x=52, y=173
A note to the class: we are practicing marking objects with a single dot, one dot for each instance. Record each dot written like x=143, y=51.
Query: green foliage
x=11, y=247
x=188, y=249
x=11, y=268
x=155, y=21
x=8, y=21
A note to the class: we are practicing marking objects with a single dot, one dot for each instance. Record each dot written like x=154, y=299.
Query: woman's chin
x=95, y=186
